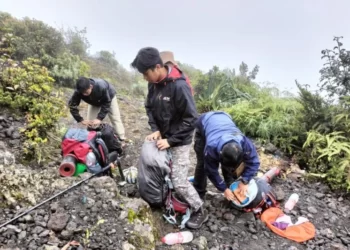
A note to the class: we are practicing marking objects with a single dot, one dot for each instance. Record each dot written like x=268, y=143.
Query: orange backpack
x=299, y=233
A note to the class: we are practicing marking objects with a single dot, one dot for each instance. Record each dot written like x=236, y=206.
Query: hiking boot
x=197, y=219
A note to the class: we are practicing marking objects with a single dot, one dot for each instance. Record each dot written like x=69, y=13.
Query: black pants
x=200, y=175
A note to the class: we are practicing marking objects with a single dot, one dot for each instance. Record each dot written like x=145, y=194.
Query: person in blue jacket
x=218, y=141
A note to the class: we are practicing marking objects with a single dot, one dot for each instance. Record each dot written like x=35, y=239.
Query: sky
x=284, y=38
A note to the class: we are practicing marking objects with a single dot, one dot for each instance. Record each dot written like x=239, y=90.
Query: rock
x=2, y=145
x=252, y=230
x=9, y=131
x=15, y=135
x=280, y=195
x=201, y=243
x=14, y=228
x=37, y=230
x=58, y=221
x=44, y=233
x=245, y=217
x=66, y=235
x=337, y=246
x=47, y=247
x=22, y=235
x=255, y=237
x=213, y=228
x=142, y=235
x=332, y=205
x=312, y=210
x=7, y=158
x=292, y=248
x=228, y=216
x=28, y=218
x=328, y=233
x=320, y=195
x=71, y=226
x=123, y=215
x=270, y=148
x=176, y=247
x=127, y=246
x=340, y=199
x=346, y=241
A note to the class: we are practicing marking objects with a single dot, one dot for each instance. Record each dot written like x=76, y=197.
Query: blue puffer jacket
x=219, y=129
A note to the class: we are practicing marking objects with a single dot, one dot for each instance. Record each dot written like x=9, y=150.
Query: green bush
x=27, y=87
x=270, y=119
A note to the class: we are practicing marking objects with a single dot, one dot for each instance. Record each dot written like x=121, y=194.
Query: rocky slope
x=101, y=215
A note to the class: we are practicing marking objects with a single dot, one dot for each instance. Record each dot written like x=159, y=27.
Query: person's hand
x=95, y=123
x=229, y=195
x=154, y=136
x=85, y=122
x=163, y=144
x=242, y=188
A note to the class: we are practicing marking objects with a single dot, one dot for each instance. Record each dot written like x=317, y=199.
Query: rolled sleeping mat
x=67, y=167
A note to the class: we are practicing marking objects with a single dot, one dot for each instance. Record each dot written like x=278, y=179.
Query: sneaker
x=197, y=219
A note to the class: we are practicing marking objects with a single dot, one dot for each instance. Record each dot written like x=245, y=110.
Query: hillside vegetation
x=36, y=60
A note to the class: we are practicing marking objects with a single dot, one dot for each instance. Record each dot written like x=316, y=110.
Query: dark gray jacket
x=101, y=96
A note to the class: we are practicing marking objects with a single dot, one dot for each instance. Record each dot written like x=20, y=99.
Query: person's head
x=84, y=86
x=149, y=63
x=168, y=58
x=231, y=156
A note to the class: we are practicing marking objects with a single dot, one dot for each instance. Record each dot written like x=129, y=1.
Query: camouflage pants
x=183, y=188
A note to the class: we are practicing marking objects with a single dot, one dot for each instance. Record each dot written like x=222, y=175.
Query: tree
x=76, y=41
x=33, y=38
x=335, y=74
x=243, y=69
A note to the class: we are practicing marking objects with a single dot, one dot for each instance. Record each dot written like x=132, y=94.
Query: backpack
x=110, y=137
x=79, y=142
x=264, y=199
x=154, y=183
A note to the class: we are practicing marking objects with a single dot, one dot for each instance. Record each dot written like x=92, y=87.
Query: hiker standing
x=168, y=59
x=219, y=141
x=102, y=100
x=172, y=114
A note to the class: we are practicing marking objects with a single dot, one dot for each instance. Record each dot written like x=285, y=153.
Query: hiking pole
x=56, y=195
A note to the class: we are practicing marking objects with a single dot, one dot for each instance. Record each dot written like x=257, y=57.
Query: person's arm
x=148, y=107
x=212, y=168
x=106, y=105
x=73, y=105
x=184, y=104
x=251, y=161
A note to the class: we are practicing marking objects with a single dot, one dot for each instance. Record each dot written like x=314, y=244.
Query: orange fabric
x=299, y=233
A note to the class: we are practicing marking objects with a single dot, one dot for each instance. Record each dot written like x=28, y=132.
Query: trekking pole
x=56, y=195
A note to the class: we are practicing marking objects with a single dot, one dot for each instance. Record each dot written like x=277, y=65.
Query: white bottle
x=177, y=238
x=293, y=199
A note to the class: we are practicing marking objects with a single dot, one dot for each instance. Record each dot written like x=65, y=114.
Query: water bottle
x=177, y=238
x=90, y=159
x=269, y=175
x=293, y=199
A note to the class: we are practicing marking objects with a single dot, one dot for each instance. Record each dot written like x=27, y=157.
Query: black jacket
x=171, y=109
x=101, y=96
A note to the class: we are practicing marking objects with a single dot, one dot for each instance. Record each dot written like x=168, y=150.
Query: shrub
x=27, y=87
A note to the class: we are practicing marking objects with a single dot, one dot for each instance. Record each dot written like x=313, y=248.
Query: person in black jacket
x=102, y=100
x=172, y=115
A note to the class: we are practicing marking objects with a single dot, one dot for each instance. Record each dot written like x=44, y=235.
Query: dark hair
x=231, y=155
x=83, y=84
x=147, y=58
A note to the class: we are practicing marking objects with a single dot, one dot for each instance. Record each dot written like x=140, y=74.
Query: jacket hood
x=175, y=74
